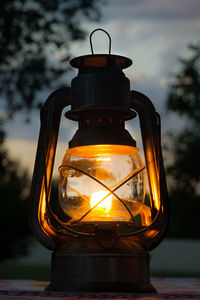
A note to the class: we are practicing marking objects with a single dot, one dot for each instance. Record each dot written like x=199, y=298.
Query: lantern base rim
x=106, y=271
x=104, y=287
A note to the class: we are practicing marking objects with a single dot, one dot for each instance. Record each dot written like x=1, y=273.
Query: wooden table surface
x=168, y=288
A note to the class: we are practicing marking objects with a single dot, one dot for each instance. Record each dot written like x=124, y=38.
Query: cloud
x=156, y=29
x=153, y=34
x=24, y=152
x=157, y=10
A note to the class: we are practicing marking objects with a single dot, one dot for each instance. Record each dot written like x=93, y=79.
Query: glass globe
x=103, y=183
x=89, y=175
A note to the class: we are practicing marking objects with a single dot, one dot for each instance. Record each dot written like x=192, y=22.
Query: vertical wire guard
x=149, y=137
x=42, y=176
x=150, y=129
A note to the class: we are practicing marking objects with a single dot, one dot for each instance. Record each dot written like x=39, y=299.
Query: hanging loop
x=100, y=29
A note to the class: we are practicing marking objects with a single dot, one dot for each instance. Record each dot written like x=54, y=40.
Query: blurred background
x=38, y=38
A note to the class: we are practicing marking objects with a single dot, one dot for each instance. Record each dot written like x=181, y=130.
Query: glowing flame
x=103, y=159
x=105, y=205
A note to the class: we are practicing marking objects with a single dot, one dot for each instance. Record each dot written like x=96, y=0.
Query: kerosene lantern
x=104, y=220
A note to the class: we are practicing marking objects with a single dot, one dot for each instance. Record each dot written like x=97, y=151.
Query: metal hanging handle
x=100, y=29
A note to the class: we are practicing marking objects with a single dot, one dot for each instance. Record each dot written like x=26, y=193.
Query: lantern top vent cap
x=101, y=61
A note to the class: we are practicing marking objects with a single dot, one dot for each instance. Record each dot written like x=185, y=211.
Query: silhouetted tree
x=35, y=37
x=184, y=174
x=14, y=189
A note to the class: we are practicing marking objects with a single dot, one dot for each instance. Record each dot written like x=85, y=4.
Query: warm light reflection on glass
x=104, y=159
x=104, y=205
x=42, y=214
x=85, y=173
x=153, y=176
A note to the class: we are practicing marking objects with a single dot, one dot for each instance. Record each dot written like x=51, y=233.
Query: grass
x=19, y=271
x=42, y=272
x=183, y=274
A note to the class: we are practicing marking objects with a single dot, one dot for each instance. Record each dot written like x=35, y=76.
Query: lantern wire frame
x=39, y=209
x=68, y=227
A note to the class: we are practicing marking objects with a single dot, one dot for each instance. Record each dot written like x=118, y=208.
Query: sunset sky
x=153, y=33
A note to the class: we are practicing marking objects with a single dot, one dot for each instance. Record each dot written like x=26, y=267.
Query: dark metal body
x=100, y=85
x=101, y=127
x=83, y=265
x=87, y=263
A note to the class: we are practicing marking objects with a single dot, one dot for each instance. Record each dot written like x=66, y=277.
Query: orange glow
x=154, y=178
x=86, y=171
x=42, y=208
x=105, y=205
x=42, y=216
x=102, y=151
